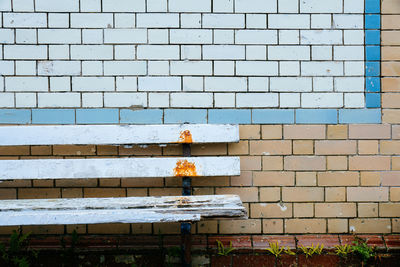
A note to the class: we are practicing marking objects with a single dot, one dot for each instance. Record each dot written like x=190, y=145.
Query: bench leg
x=186, y=243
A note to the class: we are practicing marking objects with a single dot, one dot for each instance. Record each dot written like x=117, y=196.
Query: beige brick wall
x=295, y=178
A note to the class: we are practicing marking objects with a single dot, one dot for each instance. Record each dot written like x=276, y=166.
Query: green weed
x=309, y=251
x=222, y=251
x=361, y=248
x=343, y=250
x=17, y=252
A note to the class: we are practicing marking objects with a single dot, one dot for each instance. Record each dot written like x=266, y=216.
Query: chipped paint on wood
x=185, y=137
x=117, y=167
x=185, y=168
x=120, y=210
x=116, y=134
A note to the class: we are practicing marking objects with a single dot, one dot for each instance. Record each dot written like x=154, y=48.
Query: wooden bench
x=128, y=209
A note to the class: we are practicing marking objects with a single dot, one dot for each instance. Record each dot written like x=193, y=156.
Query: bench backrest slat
x=11, y=218
x=117, y=134
x=117, y=210
x=118, y=168
x=156, y=203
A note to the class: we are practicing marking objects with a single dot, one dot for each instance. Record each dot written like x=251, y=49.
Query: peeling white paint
x=119, y=210
x=115, y=134
x=114, y=167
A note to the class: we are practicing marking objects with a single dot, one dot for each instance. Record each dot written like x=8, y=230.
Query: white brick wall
x=25, y=20
x=196, y=68
x=125, y=36
x=25, y=52
x=59, y=36
x=58, y=68
x=159, y=84
x=57, y=5
x=320, y=100
x=91, y=52
x=124, y=6
x=125, y=68
x=57, y=100
x=26, y=84
x=158, y=52
x=22, y=67
x=7, y=100
x=202, y=100
x=224, y=52
x=221, y=21
x=189, y=5
x=91, y=20
x=125, y=100
x=92, y=100
x=93, y=84
x=255, y=6
x=60, y=84
x=25, y=100
x=192, y=36
x=162, y=20
x=182, y=53
x=251, y=100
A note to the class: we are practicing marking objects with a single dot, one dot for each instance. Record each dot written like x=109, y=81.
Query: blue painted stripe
x=185, y=116
x=372, y=37
x=372, y=100
x=271, y=116
x=372, y=53
x=97, y=116
x=53, y=116
x=360, y=116
x=373, y=84
x=15, y=116
x=372, y=22
x=372, y=6
x=241, y=116
x=372, y=69
x=144, y=116
x=316, y=116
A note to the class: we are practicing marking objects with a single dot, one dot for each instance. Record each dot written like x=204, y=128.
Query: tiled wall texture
x=209, y=54
x=296, y=178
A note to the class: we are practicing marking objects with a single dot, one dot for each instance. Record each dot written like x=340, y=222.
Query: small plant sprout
x=361, y=248
x=275, y=249
x=309, y=251
x=222, y=251
x=17, y=252
x=343, y=250
x=288, y=251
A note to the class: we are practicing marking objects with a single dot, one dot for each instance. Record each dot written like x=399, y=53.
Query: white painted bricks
x=182, y=53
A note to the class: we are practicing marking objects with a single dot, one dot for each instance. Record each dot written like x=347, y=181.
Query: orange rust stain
x=185, y=137
x=183, y=201
x=185, y=168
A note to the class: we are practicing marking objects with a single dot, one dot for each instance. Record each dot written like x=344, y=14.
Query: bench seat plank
x=117, y=134
x=120, y=210
x=118, y=168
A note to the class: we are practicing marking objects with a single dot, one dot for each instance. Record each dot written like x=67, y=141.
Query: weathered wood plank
x=120, y=210
x=91, y=217
x=118, y=168
x=117, y=134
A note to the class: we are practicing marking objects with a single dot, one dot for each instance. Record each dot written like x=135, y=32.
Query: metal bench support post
x=186, y=243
